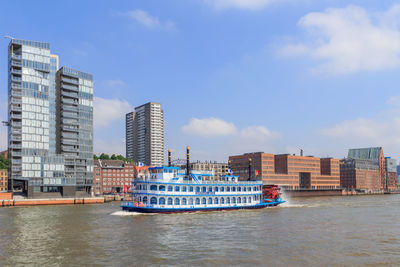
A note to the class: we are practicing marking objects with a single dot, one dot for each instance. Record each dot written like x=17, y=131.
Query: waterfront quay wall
x=50, y=201
x=313, y=192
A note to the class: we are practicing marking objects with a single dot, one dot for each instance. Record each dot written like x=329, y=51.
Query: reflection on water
x=330, y=231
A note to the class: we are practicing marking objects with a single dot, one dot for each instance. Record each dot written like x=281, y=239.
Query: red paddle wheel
x=271, y=192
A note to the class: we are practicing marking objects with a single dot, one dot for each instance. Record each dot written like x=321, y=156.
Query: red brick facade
x=289, y=171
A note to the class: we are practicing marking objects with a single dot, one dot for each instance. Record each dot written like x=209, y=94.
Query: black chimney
x=187, y=161
x=169, y=157
x=249, y=169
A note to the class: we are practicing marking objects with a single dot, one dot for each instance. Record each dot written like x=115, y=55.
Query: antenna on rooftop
x=8, y=37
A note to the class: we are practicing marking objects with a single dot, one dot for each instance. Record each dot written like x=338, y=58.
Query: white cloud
x=239, y=4
x=209, y=127
x=348, y=40
x=253, y=139
x=115, y=83
x=381, y=130
x=148, y=20
x=115, y=146
x=108, y=110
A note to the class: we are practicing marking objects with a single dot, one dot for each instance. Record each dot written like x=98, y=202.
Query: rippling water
x=328, y=231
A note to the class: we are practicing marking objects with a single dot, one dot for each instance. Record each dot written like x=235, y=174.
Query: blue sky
x=233, y=76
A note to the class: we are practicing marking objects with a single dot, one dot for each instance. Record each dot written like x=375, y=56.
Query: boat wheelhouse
x=168, y=189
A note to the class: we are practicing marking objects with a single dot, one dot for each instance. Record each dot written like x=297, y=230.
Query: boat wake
x=128, y=213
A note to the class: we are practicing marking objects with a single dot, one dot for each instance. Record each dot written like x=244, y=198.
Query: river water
x=323, y=231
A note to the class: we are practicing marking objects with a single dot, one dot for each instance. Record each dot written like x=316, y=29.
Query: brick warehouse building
x=110, y=176
x=368, y=169
x=3, y=180
x=288, y=171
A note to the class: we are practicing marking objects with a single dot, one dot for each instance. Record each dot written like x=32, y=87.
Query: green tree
x=113, y=157
x=95, y=157
x=104, y=156
x=3, y=163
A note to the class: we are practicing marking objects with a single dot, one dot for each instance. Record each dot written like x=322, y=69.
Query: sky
x=233, y=76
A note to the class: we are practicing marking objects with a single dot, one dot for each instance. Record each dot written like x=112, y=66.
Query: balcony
x=16, y=79
x=68, y=80
x=69, y=149
x=69, y=128
x=16, y=71
x=15, y=146
x=16, y=169
x=16, y=116
x=15, y=56
x=69, y=142
x=69, y=115
x=69, y=94
x=16, y=101
x=16, y=154
x=15, y=93
x=16, y=108
x=16, y=138
x=70, y=122
x=69, y=101
x=16, y=162
x=16, y=63
x=16, y=86
x=69, y=87
x=16, y=123
x=69, y=108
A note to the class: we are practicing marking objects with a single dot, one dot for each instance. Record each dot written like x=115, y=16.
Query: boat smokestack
x=249, y=169
x=187, y=161
x=169, y=157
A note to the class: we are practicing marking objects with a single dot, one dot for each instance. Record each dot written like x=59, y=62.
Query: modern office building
x=368, y=169
x=288, y=171
x=37, y=165
x=145, y=134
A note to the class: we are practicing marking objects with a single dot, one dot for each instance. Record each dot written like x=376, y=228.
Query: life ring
x=135, y=204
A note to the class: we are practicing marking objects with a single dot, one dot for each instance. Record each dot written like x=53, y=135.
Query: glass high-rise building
x=37, y=167
x=145, y=134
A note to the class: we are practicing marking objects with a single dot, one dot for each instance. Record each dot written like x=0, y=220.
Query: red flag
x=256, y=172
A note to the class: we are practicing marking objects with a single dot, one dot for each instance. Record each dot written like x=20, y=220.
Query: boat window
x=184, y=189
x=222, y=189
x=170, y=201
x=222, y=200
x=233, y=200
x=204, y=201
x=161, y=201
x=170, y=188
x=191, y=189
x=197, y=189
x=140, y=187
x=190, y=201
x=161, y=188
x=145, y=200
x=228, y=200
x=255, y=188
x=244, y=200
x=177, y=189
x=177, y=201
x=255, y=197
x=228, y=189
x=184, y=201
x=203, y=189
x=239, y=189
x=153, y=187
x=239, y=200
x=209, y=200
x=153, y=201
x=233, y=188
x=210, y=189
x=216, y=189
x=216, y=200
x=249, y=199
x=249, y=188
x=197, y=201
x=244, y=189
